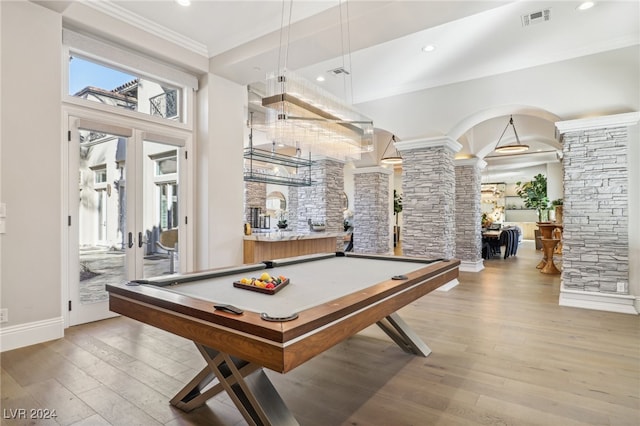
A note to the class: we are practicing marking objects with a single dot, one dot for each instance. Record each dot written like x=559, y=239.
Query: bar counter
x=259, y=247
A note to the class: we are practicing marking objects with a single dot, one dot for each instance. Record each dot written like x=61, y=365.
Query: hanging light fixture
x=394, y=157
x=301, y=114
x=510, y=148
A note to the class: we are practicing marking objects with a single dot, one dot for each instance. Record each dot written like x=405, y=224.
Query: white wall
x=600, y=84
x=349, y=185
x=555, y=181
x=31, y=185
x=220, y=188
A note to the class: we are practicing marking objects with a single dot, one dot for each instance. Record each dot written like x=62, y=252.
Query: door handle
x=140, y=242
x=130, y=239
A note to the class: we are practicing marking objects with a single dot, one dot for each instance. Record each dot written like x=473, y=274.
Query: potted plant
x=317, y=226
x=534, y=194
x=282, y=219
x=397, y=204
x=347, y=215
x=397, y=208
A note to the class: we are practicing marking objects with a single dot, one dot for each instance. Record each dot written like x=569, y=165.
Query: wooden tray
x=260, y=289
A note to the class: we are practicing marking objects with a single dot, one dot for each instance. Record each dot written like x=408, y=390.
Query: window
x=166, y=162
x=95, y=82
x=166, y=169
x=100, y=174
x=168, y=207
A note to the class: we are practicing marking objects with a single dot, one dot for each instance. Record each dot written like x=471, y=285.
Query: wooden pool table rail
x=277, y=346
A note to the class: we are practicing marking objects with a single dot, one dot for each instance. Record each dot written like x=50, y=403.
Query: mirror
x=276, y=201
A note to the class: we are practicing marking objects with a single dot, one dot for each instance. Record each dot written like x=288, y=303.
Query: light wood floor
x=504, y=353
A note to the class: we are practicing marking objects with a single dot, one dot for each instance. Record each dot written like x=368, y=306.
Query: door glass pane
x=160, y=208
x=101, y=215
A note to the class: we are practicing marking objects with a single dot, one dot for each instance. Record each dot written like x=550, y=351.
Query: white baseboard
x=468, y=266
x=622, y=303
x=22, y=335
x=448, y=286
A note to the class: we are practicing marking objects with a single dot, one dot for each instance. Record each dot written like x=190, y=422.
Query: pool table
x=329, y=298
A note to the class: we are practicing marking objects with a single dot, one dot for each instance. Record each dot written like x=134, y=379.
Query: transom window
x=95, y=82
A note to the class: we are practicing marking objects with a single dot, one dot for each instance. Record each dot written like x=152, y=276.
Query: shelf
x=268, y=157
x=275, y=158
x=253, y=176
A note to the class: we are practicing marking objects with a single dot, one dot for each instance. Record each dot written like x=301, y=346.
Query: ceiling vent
x=339, y=71
x=543, y=15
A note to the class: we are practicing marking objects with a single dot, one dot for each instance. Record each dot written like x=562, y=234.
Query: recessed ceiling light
x=184, y=2
x=319, y=78
x=586, y=5
x=428, y=48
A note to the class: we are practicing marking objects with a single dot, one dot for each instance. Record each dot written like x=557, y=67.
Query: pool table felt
x=311, y=283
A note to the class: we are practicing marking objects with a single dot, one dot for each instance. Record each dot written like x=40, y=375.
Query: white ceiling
x=380, y=41
x=383, y=39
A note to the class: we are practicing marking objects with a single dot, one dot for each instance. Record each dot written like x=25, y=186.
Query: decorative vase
x=282, y=225
x=543, y=215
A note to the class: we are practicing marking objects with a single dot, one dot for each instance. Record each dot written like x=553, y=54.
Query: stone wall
x=292, y=209
x=322, y=201
x=372, y=206
x=255, y=195
x=595, y=238
x=429, y=185
x=468, y=211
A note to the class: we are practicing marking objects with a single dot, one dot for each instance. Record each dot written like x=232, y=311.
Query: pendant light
x=510, y=148
x=393, y=157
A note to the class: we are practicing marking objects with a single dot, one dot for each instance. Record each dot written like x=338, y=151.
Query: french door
x=127, y=214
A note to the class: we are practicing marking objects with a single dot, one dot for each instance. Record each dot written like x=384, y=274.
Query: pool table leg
x=246, y=384
x=403, y=335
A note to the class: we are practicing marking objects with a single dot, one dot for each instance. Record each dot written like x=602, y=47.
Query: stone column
x=322, y=201
x=292, y=210
x=468, y=214
x=595, y=256
x=428, y=187
x=372, y=206
x=255, y=195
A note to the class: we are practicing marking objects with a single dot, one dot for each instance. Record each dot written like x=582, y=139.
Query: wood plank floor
x=504, y=353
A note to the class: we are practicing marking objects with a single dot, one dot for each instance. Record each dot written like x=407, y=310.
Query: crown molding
x=374, y=169
x=433, y=142
x=602, y=122
x=111, y=9
x=475, y=161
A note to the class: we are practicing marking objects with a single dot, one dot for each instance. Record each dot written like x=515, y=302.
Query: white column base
x=622, y=303
x=469, y=266
x=19, y=336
